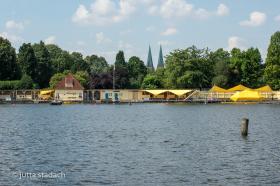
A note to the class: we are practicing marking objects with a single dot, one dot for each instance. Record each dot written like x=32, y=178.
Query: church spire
x=150, y=64
x=160, y=59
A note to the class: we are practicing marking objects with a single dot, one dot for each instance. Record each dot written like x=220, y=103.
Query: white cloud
x=169, y=31
x=202, y=14
x=236, y=42
x=277, y=18
x=222, y=10
x=256, y=19
x=11, y=37
x=11, y=24
x=102, y=12
x=101, y=38
x=175, y=8
x=180, y=8
x=50, y=40
x=81, y=15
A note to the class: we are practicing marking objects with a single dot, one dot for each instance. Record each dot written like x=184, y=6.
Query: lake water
x=141, y=144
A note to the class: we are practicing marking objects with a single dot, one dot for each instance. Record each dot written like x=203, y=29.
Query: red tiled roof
x=69, y=82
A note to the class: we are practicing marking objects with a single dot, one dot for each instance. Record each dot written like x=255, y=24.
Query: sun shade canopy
x=179, y=92
x=217, y=89
x=264, y=89
x=246, y=95
x=237, y=88
x=176, y=92
x=45, y=92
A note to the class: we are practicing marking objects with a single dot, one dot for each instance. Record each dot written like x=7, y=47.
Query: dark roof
x=69, y=82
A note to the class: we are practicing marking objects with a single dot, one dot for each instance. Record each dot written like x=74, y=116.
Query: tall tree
x=137, y=71
x=189, y=68
x=79, y=63
x=9, y=69
x=120, y=60
x=236, y=61
x=121, y=71
x=251, y=68
x=44, y=69
x=27, y=60
x=272, y=69
x=160, y=59
x=96, y=64
x=220, y=60
x=60, y=59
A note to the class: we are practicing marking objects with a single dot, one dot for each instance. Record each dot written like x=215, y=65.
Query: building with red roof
x=69, y=89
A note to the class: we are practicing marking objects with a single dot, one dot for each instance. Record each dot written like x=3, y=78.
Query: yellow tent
x=217, y=89
x=156, y=92
x=246, y=95
x=264, y=89
x=176, y=92
x=179, y=92
x=237, y=88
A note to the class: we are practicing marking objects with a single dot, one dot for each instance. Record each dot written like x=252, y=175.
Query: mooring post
x=244, y=126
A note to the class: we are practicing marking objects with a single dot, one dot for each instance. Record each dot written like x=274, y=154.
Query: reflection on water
x=145, y=144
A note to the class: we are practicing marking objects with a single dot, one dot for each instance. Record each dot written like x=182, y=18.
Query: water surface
x=141, y=144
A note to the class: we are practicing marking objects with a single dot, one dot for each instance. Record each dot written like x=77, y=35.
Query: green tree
x=26, y=82
x=61, y=60
x=120, y=60
x=137, y=71
x=97, y=64
x=44, y=68
x=55, y=79
x=9, y=69
x=79, y=64
x=190, y=68
x=27, y=60
x=220, y=60
x=151, y=82
x=121, y=72
x=236, y=61
x=272, y=69
x=251, y=68
x=83, y=78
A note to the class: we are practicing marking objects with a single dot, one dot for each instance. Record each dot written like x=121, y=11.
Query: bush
x=9, y=85
x=26, y=82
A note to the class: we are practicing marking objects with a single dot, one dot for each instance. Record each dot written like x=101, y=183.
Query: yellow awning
x=247, y=95
x=156, y=92
x=45, y=92
x=264, y=89
x=217, y=89
x=179, y=92
x=237, y=88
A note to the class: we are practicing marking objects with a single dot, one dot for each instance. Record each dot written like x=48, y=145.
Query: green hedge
x=10, y=85
x=25, y=83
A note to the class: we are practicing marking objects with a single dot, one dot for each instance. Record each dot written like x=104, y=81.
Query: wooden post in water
x=244, y=126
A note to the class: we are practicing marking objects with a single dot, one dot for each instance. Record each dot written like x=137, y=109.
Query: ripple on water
x=149, y=144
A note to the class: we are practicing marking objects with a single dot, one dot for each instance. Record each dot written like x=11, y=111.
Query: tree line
x=41, y=66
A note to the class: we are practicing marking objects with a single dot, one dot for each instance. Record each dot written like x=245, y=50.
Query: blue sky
x=103, y=27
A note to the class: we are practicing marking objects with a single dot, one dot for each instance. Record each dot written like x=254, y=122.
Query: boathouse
x=69, y=89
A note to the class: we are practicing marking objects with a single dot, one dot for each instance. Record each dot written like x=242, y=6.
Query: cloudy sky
x=105, y=26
